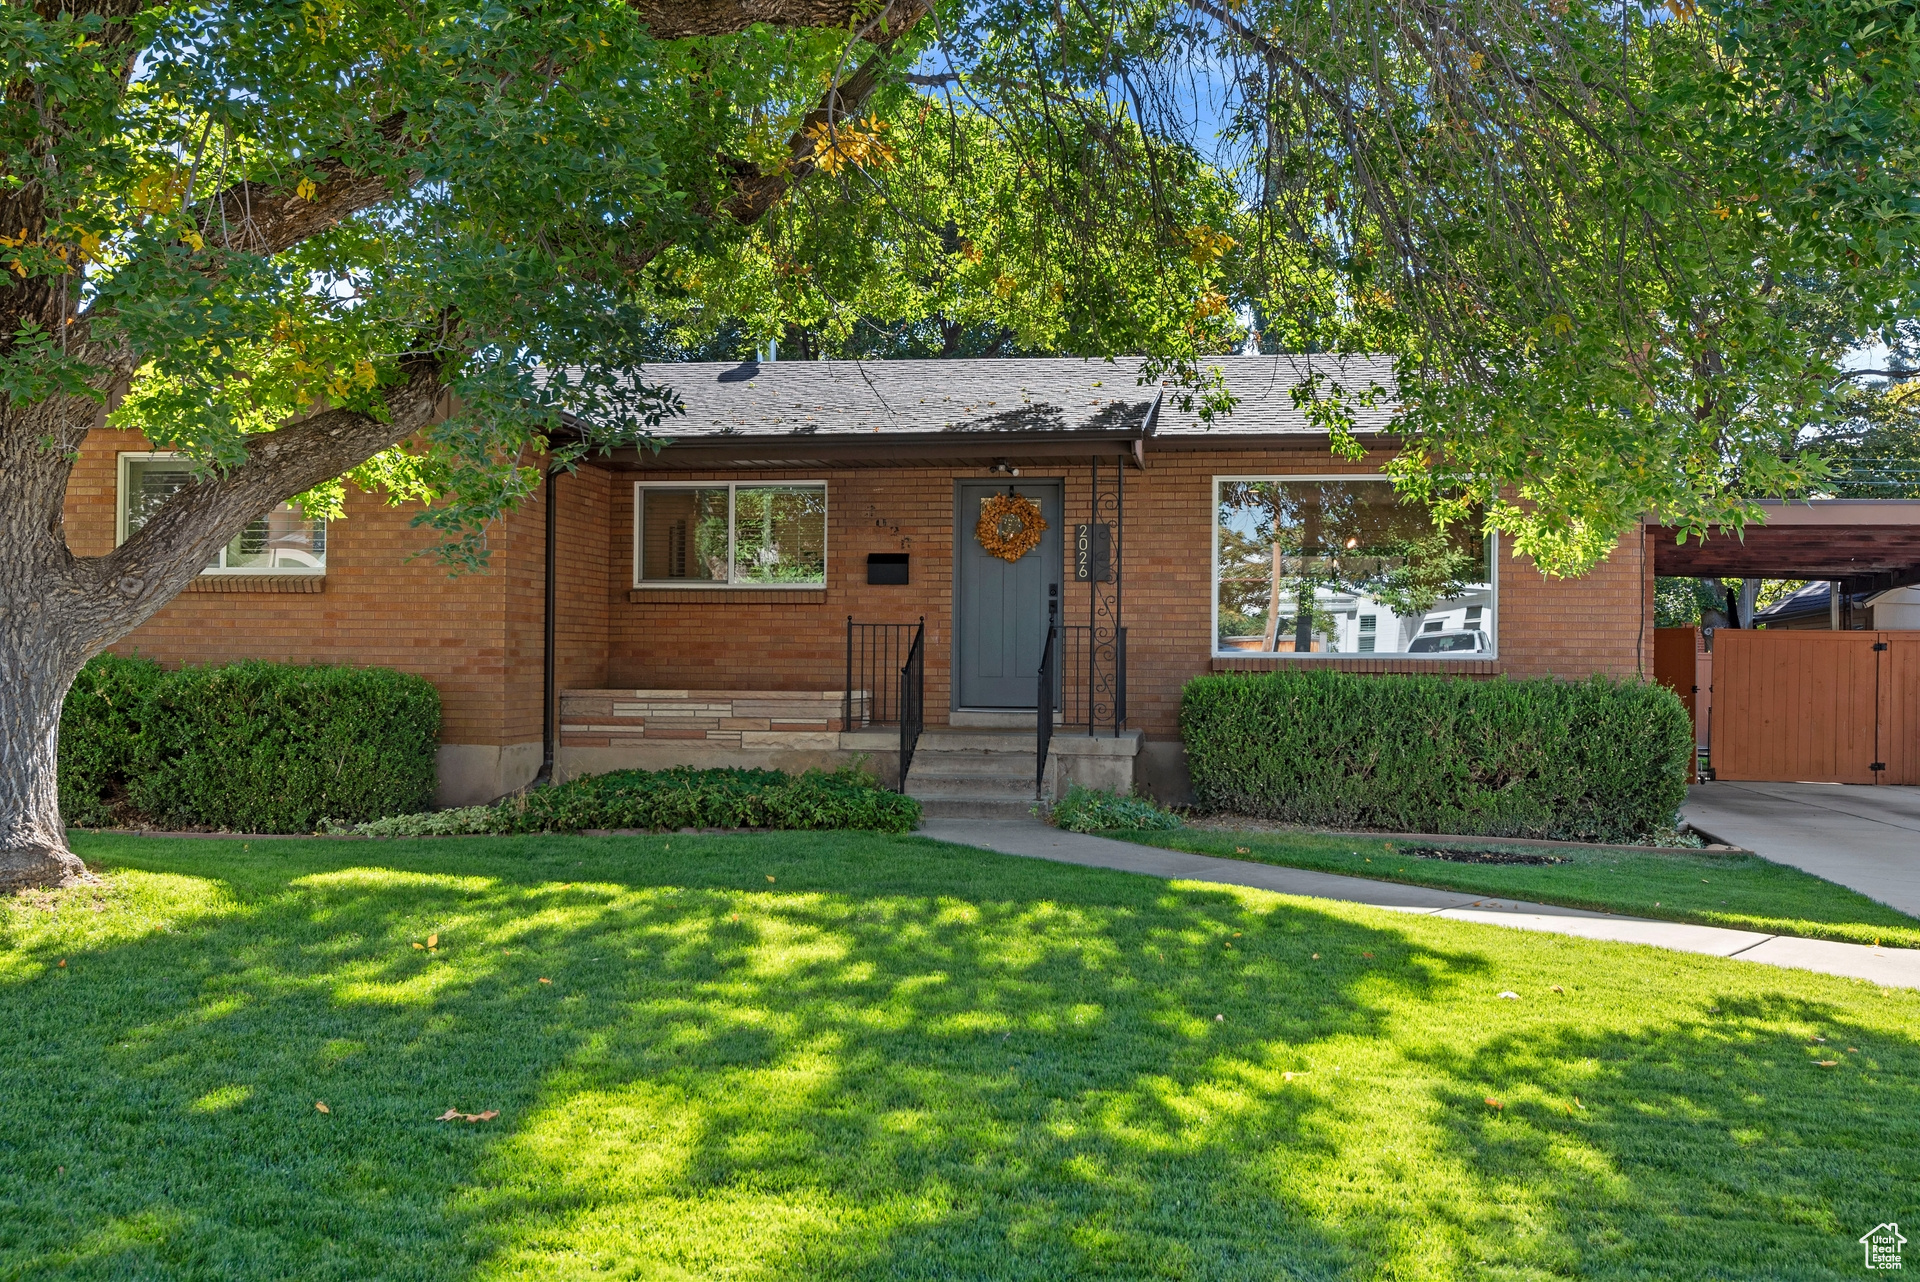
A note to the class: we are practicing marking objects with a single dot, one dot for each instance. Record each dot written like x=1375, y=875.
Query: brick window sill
x=302, y=584
x=729, y=596
x=1353, y=663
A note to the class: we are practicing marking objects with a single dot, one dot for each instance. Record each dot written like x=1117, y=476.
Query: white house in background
x=1366, y=626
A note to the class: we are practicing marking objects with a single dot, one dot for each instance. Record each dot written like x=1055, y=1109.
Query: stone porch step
x=978, y=807
x=973, y=773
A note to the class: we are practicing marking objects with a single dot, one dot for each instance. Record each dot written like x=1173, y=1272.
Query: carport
x=1835, y=706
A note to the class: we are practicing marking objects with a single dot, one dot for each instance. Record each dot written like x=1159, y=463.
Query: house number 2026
x=1093, y=553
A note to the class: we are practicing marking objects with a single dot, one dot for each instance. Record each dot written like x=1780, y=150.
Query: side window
x=282, y=541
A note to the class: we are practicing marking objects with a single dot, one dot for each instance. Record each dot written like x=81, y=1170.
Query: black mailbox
x=887, y=567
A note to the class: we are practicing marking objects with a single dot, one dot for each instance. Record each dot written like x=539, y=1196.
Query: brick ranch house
x=750, y=594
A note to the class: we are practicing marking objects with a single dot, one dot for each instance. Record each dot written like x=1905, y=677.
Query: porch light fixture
x=1002, y=468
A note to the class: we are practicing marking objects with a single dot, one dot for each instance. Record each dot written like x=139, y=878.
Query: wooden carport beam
x=1864, y=544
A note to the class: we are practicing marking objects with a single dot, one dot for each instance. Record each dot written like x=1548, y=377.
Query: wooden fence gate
x=1818, y=707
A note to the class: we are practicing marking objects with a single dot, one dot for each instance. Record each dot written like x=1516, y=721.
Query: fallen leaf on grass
x=1288, y=1077
x=1510, y=995
x=1494, y=1104
x=433, y=941
x=1316, y=956
x=1558, y=989
x=1366, y=954
x=455, y=1115
x=1219, y=1019
x=63, y=963
x=545, y=980
x=1827, y=1063
x=417, y=944
x=1241, y=850
x=320, y=1106
x=769, y=876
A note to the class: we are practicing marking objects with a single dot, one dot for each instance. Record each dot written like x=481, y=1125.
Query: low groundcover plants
x=681, y=797
x=1091, y=810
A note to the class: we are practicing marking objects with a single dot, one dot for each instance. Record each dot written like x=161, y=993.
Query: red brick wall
x=377, y=608
x=792, y=640
x=478, y=637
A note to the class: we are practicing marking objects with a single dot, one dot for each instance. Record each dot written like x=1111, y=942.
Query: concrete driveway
x=1860, y=836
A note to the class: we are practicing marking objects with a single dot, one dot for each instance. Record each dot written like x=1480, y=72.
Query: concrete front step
x=985, y=772
x=936, y=741
x=1009, y=785
x=977, y=807
x=973, y=765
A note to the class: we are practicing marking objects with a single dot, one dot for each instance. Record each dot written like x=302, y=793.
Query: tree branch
x=260, y=219
x=189, y=529
x=677, y=21
x=756, y=193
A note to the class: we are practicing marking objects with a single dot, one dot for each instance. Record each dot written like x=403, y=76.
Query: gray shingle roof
x=1055, y=395
x=1264, y=387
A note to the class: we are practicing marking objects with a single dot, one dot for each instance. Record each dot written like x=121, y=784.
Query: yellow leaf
x=417, y=944
x=305, y=189
x=321, y=1106
x=195, y=239
x=433, y=941
x=545, y=980
x=769, y=876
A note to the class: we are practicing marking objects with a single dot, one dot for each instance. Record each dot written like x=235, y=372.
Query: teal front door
x=999, y=606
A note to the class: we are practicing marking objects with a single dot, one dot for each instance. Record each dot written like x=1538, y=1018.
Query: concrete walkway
x=1863, y=837
x=1894, y=967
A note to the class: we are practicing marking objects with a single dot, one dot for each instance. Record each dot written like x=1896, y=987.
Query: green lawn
x=899, y=1060
x=1714, y=889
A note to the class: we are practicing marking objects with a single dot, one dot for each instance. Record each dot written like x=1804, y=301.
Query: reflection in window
x=741, y=534
x=284, y=541
x=683, y=534
x=1343, y=567
x=780, y=534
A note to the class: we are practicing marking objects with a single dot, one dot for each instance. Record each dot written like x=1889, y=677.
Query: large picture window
x=1339, y=565
x=721, y=535
x=284, y=541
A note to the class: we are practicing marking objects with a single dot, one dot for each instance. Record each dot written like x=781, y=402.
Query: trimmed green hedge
x=1594, y=760
x=680, y=797
x=251, y=747
x=100, y=739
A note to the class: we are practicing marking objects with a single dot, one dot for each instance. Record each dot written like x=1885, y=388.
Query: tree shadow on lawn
x=899, y=1059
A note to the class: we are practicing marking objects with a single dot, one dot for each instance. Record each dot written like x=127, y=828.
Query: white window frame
x=120, y=521
x=1395, y=656
x=732, y=488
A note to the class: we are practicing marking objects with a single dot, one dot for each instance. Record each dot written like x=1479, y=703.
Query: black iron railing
x=1044, y=707
x=1093, y=685
x=876, y=655
x=913, y=699
x=887, y=682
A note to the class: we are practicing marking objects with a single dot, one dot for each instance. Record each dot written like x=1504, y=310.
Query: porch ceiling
x=1866, y=544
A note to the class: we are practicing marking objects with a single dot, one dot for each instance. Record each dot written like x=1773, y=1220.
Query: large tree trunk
x=58, y=610
x=33, y=842
x=40, y=649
